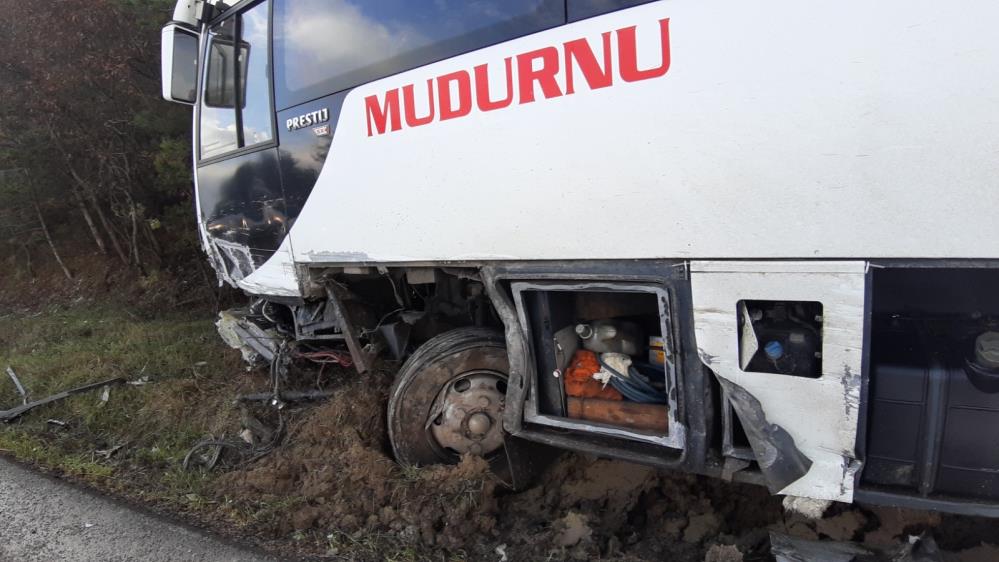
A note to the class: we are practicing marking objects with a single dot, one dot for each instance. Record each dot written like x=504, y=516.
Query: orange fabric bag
x=579, y=381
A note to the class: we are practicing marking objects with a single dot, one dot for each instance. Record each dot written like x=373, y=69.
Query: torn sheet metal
x=790, y=549
x=785, y=548
x=819, y=414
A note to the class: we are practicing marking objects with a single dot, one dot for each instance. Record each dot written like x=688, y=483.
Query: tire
x=430, y=384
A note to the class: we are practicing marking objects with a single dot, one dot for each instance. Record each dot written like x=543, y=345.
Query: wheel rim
x=466, y=417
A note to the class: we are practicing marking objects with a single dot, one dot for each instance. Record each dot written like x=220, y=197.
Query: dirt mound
x=335, y=474
x=334, y=487
x=586, y=507
x=334, y=481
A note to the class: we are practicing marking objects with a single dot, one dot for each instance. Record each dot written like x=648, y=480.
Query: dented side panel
x=820, y=414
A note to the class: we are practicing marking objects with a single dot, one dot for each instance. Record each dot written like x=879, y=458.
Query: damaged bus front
x=751, y=240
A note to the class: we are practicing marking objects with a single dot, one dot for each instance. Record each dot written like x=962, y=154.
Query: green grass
x=29, y=448
x=192, y=380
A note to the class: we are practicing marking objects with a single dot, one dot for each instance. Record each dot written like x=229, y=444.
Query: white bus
x=753, y=240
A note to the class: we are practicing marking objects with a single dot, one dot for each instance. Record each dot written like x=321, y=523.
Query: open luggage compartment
x=619, y=332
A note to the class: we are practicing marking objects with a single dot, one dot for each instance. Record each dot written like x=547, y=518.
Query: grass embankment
x=135, y=442
x=329, y=489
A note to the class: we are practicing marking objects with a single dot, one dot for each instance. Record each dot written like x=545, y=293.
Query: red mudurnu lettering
x=482, y=87
x=544, y=76
x=581, y=52
x=409, y=103
x=541, y=68
x=381, y=115
x=463, y=82
x=628, y=54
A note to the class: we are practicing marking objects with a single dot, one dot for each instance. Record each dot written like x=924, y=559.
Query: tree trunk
x=101, y=216
x=48, y=238
x=90, y=196
x=133, y=214
x=151, y=237
x=125, y=171
x=27, y=257
x=82, y=205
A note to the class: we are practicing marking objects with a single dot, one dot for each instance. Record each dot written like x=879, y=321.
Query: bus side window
x=582, y=9
x=234, y=118
x=258, y=118
x=323, y=47
x=218, y=107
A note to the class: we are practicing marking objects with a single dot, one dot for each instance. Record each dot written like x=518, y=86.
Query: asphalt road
x=43, y=520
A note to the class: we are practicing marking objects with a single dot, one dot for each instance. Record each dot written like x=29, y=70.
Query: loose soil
x=352, y=501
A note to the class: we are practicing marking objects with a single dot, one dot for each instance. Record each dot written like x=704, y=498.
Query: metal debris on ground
x=285, y=396
x=108, y=453
x=785, y=548
x=14, y=413
x=279, y=367
x=255, y=440
x=55, y=422
x=17, y=383
x=791, y=549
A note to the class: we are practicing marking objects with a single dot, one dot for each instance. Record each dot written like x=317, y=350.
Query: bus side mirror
x=179, y=64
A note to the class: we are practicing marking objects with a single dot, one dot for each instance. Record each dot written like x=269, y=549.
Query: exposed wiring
x=247, y=453
x=382, y=321
x=327, y=357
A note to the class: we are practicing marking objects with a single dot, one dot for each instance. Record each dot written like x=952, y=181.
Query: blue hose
x=636, y=387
